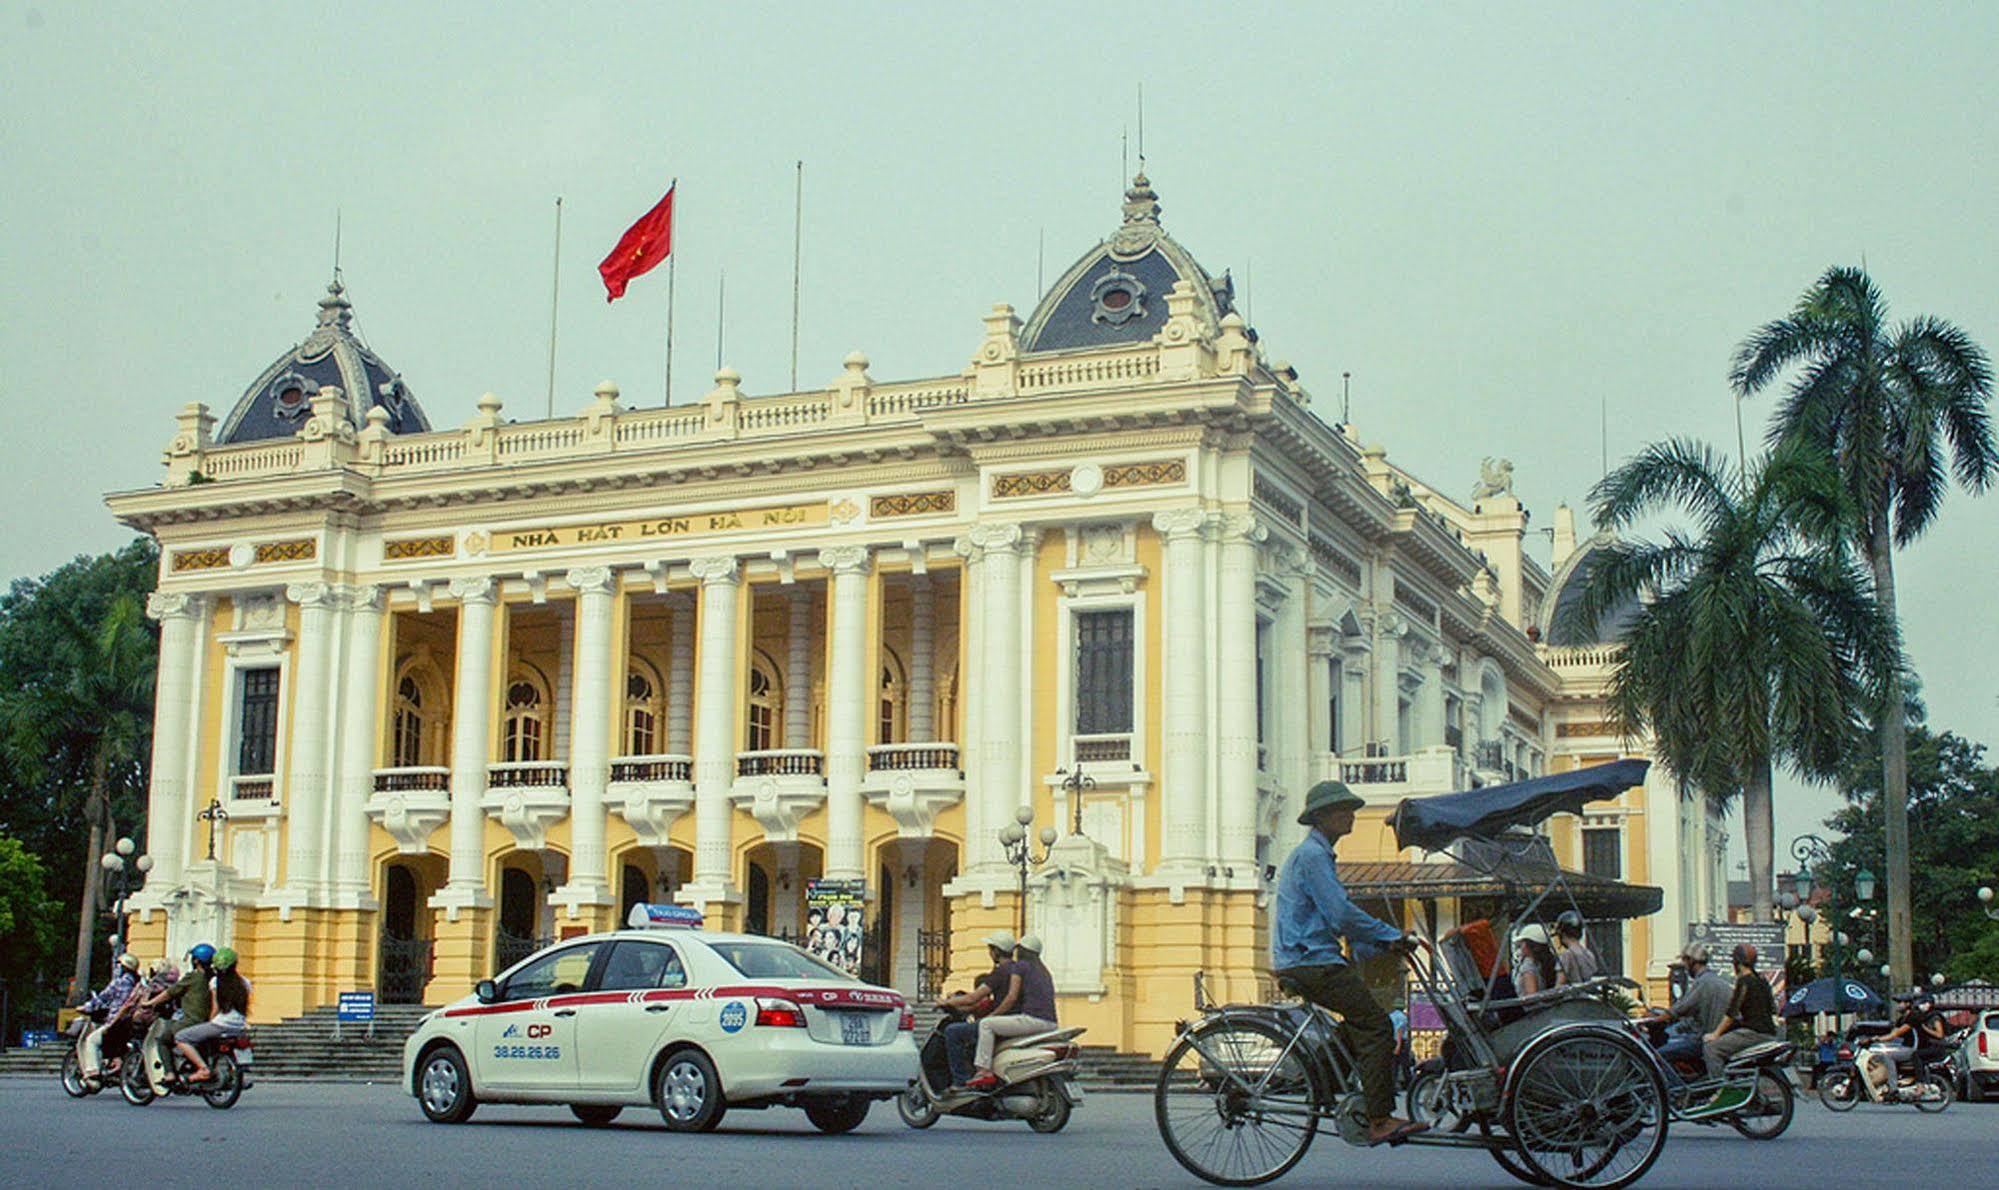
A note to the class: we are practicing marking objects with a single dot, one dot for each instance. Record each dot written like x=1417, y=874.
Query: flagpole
x=672, y=258
x=797, y=242
x=554, y=303
x=721, y=311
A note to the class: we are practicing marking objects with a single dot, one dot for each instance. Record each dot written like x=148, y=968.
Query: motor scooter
x=1037, y=1075
x=228, y=1058
x=1930, y=1086
x=73, y=1083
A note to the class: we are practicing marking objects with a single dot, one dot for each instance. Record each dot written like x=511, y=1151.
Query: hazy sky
x=1502, y=220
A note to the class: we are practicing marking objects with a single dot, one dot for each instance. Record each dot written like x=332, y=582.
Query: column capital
x=363, y=597
x=1180, y=524
x=989, y=536
x=175, y=605
x=716, y=568
x=591, y=580
x=1241, y=527
x=845, y=559
x=322, y=596
x=480, y=589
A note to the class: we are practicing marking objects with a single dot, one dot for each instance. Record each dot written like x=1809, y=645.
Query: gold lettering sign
x=739, y=520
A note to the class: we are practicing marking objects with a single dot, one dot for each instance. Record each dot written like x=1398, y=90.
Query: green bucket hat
x=1327, y=795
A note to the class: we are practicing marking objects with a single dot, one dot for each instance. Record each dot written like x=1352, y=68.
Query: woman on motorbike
x=232, y=1007
x=115, y=1002
x=1919, y=1033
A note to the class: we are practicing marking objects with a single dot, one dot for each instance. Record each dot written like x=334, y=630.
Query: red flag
x=640, y=249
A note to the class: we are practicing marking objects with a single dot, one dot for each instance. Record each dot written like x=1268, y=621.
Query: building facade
x=429, y=698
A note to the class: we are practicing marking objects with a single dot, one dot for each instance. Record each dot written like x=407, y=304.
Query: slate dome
x=279, y=402
x=1116, y=294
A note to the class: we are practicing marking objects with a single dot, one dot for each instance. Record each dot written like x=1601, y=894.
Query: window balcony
x=913, y=783
x=779, y=787
x=1386, y=780
x=410, y=803
x=651, y=793
x=527, y=797
x=258, y=788
x=1109, y=748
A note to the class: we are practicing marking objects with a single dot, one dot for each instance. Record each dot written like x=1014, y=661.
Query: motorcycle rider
x=1027, y=1006
x=1751, y=1016
x=1918, y=1034
x=1702, y=1006
x=111, y=1001
x=191, y=993
x=232, y=1005
x=1313, y=914
x=961, y=1036
x=1577, y=961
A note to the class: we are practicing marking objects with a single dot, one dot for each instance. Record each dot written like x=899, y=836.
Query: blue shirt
x=1314, y=912
x=114, y=993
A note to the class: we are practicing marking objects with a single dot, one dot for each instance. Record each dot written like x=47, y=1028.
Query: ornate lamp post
x=125, y=873
x=1810, y=851
x=1020, y=852
x=1075, y=785
x=214, y=816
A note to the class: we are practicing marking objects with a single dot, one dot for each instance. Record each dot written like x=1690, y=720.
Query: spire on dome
x=335, y=311
x=1141, y=203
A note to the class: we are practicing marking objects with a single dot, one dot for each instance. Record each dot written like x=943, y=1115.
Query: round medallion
x=241, y=555
x=1087, y=479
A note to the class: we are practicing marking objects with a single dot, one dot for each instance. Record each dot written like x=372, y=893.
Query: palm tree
x=1899, y=409
x=88, y=727
x=1753, y=641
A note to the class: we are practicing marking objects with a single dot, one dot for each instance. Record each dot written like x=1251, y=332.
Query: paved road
x=285, y=1134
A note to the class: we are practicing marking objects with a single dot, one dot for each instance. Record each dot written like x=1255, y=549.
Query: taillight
x=1066, y=1053
x=1984, y=1044
x=780, y=1013
x=907, y=1021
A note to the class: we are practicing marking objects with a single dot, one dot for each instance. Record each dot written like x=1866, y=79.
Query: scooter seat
x=1756, y=1055
x=1043, y=1038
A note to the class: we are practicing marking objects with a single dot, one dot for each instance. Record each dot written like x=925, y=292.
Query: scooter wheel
x=72, y=1077
x=1840, y=1090
x=133, y=1086
x=916, y=1108
x=1053, y=1115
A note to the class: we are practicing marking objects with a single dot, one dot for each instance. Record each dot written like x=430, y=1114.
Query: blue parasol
x=1832, y=995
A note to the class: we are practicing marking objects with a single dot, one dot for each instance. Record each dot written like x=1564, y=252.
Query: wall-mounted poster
x=834, y=911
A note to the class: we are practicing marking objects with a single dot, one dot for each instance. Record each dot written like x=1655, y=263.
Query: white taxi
x=691, y=1022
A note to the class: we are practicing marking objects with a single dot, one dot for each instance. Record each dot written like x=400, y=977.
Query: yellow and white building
x=428, y=696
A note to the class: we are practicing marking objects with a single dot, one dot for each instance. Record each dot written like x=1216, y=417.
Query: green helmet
x=225, y=959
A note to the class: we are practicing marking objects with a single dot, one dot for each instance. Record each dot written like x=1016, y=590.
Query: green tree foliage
x=30, y=930
x=76, y=688
x=1756, y=639
x=1954, y=848
x=1900, y=409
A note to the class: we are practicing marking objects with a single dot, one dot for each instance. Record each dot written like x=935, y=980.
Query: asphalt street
x=361, y=1135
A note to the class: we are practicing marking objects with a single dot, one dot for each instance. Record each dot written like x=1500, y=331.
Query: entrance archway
x=404, y=949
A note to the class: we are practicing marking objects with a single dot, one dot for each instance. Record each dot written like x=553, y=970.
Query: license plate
x=856, y=1028
x=244, y=1057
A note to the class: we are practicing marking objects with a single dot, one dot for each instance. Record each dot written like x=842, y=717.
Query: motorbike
x=1753, y=1094
x=228, y=1058
x=1037, y=1083
x=73, y=1083
x=1930, y=1087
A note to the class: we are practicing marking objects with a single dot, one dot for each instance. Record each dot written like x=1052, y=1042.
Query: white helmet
x=1533, y=931
x=1001, y=940
x=1031, y=943
x=129, y=961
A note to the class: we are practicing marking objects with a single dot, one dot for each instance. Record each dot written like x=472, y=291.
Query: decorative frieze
x=404, y=548
x=1335, y=559
x=1414, y=603
x=302, y=549
x=1526, y=720
x=1596, y=727
x=1089, y=478
x=1283, y=505
x=899, y=504
x=210, y=558
x=1030, y=483
x=1141, y=475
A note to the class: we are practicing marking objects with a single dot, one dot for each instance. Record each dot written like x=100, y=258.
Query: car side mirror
x=487, y=991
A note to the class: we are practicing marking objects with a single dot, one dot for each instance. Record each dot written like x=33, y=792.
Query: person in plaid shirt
x=114, y=997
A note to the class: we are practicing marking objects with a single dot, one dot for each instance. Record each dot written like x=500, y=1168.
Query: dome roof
x=1117, y=292
x=1570, y=580
x=277, y=405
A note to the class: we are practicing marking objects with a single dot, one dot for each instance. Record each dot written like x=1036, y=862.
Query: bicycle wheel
x=1839, y=1090
x=1768, y=1112
x=1425, y=1101
x=1232, y=1106
x=1588, y=1109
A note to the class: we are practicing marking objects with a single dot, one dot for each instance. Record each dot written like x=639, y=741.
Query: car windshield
x=775, y=960
x=1992, y=1022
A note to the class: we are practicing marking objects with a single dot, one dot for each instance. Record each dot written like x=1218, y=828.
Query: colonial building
x=429, y=698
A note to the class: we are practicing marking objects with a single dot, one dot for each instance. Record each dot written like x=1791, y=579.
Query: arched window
x=892, y=715
x=642, y=711
x=417, y=730
x=524, y=729
x=766, y=705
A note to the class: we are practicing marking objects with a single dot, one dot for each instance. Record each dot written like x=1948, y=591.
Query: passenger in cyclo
x=1313, y=914
x=1698, y=1011
x=1577, y=961
x=1535, y=969
x=961, y=1037
x=1751, y=1017
x=114, y=1001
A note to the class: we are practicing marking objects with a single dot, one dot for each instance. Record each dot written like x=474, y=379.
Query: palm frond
x=1678, y=471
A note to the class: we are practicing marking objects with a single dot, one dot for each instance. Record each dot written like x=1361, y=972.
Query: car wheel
x=444, y=1087
x=596, y=1115
x=837, y=1116
x=688, y=1093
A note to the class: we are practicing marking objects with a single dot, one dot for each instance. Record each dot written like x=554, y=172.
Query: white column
x=1319, y=690
x=1235, y=691
x=471, y=742
x=1293, y=711
x=1001, y=757
x=798, y=670
x=565, y=684
x=715, y=734
x=1184, y=750
x=590, y=737
x=920, y=698
x=680, y=677
x=306, y=769
x=848, y=708
x=1388, y=683
x=1353, y=701
x=360, y=701
x=1430, y=699
x=167, y=808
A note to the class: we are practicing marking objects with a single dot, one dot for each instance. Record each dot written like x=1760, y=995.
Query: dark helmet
x=1569, y=924
x=1744, y=955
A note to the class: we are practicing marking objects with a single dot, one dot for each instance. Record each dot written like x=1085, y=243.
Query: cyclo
x=1564, y=1095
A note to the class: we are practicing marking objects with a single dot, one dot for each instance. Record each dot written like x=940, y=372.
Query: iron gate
x=403, y=970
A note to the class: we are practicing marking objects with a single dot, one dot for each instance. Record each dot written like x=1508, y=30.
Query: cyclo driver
x=1313, y=914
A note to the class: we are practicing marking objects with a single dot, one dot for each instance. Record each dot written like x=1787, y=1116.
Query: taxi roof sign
x=649, y=916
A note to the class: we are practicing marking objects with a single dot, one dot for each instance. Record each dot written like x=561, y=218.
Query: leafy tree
x=1754, y=635
x=76, y=686
x=1954, y=848
x=1899, y=409
x=29, y=929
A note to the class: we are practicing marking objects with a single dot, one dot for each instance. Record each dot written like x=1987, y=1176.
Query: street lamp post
x=125, y=873
x=1811, y=851
x=1020, y=852
x=1985, y=903
x=1075, y=785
